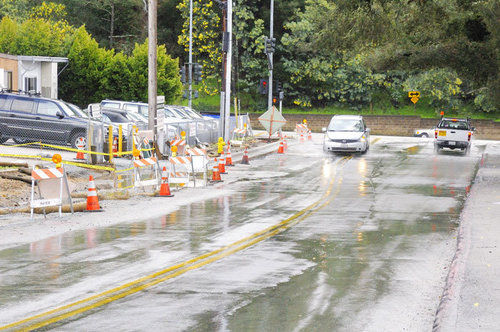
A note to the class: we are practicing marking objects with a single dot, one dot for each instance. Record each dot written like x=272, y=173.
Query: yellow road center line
x=219, y=253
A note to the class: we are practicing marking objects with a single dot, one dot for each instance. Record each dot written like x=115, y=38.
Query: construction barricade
x=199, y=165
x=146, y=172
x=52, y=187
x=180, y=169
x=301, y=130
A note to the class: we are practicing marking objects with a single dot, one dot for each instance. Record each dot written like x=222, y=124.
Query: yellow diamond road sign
x=414, y=96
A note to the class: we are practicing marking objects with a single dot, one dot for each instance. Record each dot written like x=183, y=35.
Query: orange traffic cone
x=92, y=200
x=244, y=160
x=222, y=164
x=229, y=159
x=115, y=146
x=285, y=143
x=80, y=155
x=164, y=188
x=281, y=148
x=302, y=136
x=309, y=135
x=216, y=175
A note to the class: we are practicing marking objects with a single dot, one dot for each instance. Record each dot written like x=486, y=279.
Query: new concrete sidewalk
x=474, y=302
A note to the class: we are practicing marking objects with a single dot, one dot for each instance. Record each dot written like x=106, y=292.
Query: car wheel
x=78, y=138
x=3, y=139
x=425, y=135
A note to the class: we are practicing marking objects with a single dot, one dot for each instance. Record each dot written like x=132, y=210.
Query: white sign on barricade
x=142, y=164
x=180, y=168
x=199, y=164
x=53, y=189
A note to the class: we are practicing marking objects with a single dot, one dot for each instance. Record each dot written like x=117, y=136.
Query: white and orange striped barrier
x=180, y=168
x=301, y=130
x=196, y=152
x=180, y=144
x=52, y=187
x=142, y=166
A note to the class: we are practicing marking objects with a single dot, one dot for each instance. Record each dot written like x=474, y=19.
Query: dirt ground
x=14, y=193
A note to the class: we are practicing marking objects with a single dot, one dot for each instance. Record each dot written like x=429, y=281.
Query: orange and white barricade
x=240, y=133
x=301, y=130
x=180, y=144
x=180, y=169
x=52, y=187
x=199, y=164
x=143, y=166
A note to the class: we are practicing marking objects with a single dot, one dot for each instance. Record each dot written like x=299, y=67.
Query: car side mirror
x=473, y=128
x=323, y=129
x=368, y=130
x=59, y=115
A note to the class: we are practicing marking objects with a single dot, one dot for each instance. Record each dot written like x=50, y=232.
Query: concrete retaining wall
x=394, y=125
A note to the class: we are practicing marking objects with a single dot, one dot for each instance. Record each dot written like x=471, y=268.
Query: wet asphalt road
x=370, y=255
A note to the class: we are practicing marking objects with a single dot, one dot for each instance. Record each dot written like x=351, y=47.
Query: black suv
x=25, y=118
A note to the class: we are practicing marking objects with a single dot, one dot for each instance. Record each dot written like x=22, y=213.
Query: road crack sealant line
x=101, y=299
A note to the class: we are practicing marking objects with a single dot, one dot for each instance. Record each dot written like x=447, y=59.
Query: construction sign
x=414, y=96
x=52, y=189
x=272, y=120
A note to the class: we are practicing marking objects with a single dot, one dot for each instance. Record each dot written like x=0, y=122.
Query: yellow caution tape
x=65, y=148
x=18, y=145
x=124, y=170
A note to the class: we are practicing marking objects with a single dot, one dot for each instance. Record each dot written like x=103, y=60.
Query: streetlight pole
x=190, y=60
x=152, y=64
x=270, y=82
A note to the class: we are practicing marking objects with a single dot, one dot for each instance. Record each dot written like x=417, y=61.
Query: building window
x=8, y=80
x=30, y=84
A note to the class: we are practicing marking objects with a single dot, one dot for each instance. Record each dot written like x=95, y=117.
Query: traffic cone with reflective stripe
x=302, y=136
x=222, y=164
x=164, y=188
x=80, y=155
x=92, y=200
x=244, y=160
x=229, y=159
x=216, y=175
x=281, y=148
x=285, y=143
x=309, y=135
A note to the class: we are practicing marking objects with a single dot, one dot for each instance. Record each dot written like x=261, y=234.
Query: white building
x=37, y=74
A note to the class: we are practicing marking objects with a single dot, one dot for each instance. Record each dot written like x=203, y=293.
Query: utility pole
x=152, y=65
x=222, y=102
x=190, y=64
x=270, y=82
x=229, y=28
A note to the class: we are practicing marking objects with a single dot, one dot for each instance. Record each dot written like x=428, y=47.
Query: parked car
x=453, y=133
x=131, y=106
x=346, y=133
x=31, y=117
x=119, y=117
x=426, y=133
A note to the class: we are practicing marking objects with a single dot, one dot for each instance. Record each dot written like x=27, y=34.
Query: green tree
x=81, y=82
x=169, y=83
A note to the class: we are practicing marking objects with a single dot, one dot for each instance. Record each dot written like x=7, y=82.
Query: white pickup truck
x=453, y=133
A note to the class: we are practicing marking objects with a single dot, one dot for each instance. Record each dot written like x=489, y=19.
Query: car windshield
x=136, y=117
x=73, y=110
x=181, y=113
x=116, y=117
x=193, y=113
x=345, y=125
